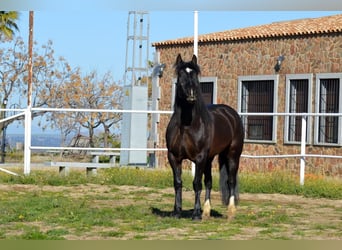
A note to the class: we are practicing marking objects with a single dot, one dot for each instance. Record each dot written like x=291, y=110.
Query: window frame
x=201, y=79
x=320, y=76
x=275, y=79
x=290, y=77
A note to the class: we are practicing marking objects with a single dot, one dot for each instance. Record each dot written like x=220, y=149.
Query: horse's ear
x=194, y=59
x=179, y=59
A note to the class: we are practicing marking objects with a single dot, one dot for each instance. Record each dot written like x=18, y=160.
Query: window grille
x=258, y=96
x=329, y=94
x=298, y=103
x=207, y=89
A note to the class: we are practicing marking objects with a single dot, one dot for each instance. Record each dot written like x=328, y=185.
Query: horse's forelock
x=188, y=66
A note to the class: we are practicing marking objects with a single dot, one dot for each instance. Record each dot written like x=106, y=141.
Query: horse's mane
x=200, y=105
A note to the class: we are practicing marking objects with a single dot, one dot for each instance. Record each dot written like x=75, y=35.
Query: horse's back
x=226, y=114
x=227, y=128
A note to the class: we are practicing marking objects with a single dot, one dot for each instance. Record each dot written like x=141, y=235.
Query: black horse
x=198, y=132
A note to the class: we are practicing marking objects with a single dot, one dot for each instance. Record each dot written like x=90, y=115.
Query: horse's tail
x=224, y=184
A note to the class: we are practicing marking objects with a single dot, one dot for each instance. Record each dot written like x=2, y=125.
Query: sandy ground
x=316, y=211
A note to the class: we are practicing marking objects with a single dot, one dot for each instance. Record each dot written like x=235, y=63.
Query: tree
x=12, y=65
x=58, y=85
x=13, y=73
x=47, y=72
x=8, y=23
x=7, y=27
x=90, y=91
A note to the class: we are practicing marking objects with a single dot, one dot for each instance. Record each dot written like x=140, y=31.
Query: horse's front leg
x=197, y=185
x=208, y=187
x=176, y=166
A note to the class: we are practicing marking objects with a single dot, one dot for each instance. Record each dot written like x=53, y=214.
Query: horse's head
x=188, y=86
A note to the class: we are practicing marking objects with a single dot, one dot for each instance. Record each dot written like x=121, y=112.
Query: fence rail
x=28, y=114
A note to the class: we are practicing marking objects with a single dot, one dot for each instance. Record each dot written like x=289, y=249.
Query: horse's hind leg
x=208, y=186
x=233, y=166
x=228, y=182
x=223, y=161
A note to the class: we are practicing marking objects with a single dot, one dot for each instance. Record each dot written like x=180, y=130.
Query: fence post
x=27, y=148
x=302, y=151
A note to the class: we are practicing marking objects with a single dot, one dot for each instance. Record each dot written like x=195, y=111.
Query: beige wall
x=228, y=60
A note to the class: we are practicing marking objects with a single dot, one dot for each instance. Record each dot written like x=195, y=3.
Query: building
x=292, y=66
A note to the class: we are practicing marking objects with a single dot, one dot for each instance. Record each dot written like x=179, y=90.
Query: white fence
x=28, y=117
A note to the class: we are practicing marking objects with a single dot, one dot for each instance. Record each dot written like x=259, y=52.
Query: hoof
x=206, y=209
x=196, y=217
x=176, y=214
x=231, y=208
x=231, y=212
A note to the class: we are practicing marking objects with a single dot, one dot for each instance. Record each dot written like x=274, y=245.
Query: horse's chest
x=190, y=144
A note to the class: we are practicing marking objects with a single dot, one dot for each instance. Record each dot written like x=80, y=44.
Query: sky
x=96, y=39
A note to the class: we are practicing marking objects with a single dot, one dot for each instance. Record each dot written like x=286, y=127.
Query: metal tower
x=137, y=47
x=134, y=130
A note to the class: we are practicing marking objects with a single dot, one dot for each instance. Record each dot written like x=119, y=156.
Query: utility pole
x=30, y=48
x=3, y=131
x=28, y=115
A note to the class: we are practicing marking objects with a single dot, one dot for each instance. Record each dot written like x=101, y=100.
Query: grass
x=285, y=183
x=129, y=203
x=272, y=182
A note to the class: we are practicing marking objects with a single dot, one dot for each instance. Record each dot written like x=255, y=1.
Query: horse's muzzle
x=191, y=97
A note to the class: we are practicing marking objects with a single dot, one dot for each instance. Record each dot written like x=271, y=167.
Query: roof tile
x=308, y=26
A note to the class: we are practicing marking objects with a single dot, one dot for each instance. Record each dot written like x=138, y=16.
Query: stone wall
x=229, y=60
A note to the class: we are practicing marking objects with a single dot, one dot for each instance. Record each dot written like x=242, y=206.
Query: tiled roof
x=308, y=26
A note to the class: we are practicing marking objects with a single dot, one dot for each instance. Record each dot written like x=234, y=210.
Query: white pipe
x=12, y=117
x=97, y=149
x=270, y=156
x=8, y=172
x=193, y=166
x=101, y=110
x=302, y=152
x=290, y=156
x=165, y=149
x=27, y=147
x=196, y=33
x=171, y=112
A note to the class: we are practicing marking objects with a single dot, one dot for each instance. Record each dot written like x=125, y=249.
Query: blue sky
x=96, y=40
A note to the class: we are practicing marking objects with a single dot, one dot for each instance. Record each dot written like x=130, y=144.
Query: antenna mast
x=137, y=47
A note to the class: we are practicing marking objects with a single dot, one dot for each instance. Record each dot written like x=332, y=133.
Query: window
x=208, y=92
x=257, y=94
x=208, y=88
x=298, y=96
x=329, y=95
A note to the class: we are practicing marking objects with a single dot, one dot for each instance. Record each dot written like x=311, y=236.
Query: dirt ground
x=315, y=211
